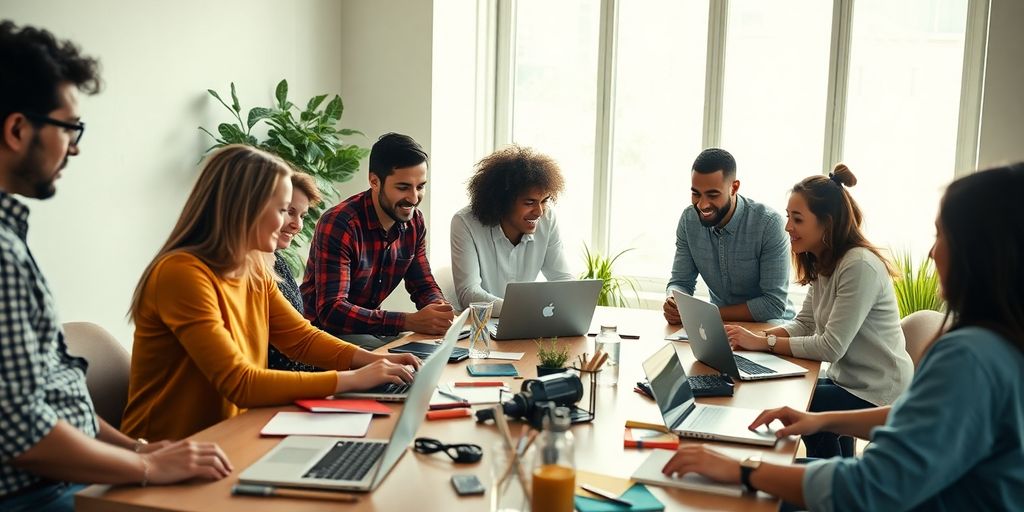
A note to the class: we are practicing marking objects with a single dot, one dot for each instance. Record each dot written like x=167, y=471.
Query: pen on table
x=266, y=490
x=606, y=495
x=623, y=336
x=453, y=396
x=481, y=384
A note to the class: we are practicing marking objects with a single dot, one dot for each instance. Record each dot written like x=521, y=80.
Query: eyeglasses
x=76, y=129
x=462, y=453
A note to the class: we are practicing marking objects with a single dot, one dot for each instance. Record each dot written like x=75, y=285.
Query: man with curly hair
x=508, y=233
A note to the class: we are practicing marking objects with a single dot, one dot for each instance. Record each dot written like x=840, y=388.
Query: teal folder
x=638, y=495
x=492, y=370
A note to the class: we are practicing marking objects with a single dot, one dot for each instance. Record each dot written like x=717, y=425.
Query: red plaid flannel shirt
x=354, y=265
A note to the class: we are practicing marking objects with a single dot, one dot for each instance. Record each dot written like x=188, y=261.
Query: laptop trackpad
x=294, y=455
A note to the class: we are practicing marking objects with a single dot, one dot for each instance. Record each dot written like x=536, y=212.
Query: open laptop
x=710, y=344
x=336, y=463
x=546, y=308
x=684, y=416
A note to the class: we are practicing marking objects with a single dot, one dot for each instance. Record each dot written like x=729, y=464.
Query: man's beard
x=30, y=171
x=719, y=215
x=389, y=208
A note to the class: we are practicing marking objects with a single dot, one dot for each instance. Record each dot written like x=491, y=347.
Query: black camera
x=539, y=396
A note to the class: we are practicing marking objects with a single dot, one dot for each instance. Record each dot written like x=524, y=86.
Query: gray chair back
x=920, y=329
x=109, y=366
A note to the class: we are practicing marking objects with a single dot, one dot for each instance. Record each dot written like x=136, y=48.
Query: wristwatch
x=748, y=466
x=771, y=342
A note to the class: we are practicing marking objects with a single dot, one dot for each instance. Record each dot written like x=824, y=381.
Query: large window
x=625, y=94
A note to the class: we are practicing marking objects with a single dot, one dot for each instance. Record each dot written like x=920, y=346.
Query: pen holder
x=580, y=414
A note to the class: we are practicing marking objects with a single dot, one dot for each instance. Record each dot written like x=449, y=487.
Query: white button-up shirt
x=484, y=260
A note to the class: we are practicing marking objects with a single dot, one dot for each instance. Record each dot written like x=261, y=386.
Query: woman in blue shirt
x=955, y=439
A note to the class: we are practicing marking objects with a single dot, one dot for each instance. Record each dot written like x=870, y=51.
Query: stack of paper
x=642, y=500
x=473, y=395
x=313, y=424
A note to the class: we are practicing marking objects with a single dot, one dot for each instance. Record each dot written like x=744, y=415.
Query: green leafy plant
x=613, y=289
x=307, y=138
x=553, y=354
x=916, y=289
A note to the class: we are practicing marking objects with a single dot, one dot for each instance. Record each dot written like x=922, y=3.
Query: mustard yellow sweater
x=200, y=351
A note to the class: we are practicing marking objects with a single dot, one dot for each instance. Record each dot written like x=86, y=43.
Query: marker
x=449, y=413
x=606, y=495
x=481, y=384
x=453, y=396
x=266, y=490
x=450, y=405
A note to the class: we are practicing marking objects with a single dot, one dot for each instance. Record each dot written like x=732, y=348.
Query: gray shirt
x=744, y=262
x=484, y=260
x=851, y=320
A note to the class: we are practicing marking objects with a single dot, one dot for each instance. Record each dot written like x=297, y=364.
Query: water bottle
x=609, y=342
x=554, y=465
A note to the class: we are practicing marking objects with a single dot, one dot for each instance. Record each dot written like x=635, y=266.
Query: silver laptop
x=354, y=464
x=684, y=416
x=710, y=344
x=546, y=308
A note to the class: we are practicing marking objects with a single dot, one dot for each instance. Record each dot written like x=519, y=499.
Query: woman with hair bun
x=850, y=317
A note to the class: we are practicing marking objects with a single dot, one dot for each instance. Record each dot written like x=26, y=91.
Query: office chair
x=920, y=329
x=109, y=365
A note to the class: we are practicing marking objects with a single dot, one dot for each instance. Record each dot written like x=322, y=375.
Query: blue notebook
x=492, y=370
x=638, y=495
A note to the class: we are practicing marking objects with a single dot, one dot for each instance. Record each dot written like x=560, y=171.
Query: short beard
x=719, y=215
x=389, y=210
x=29, y=171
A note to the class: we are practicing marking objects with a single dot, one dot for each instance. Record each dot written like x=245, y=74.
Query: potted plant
x=916, y=289
x=552, y=356
x=613, y=287
x=307, y=138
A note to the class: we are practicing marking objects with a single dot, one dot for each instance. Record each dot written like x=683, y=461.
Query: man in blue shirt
x=738, y=246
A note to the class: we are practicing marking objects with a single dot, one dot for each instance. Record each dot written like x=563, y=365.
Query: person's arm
x=555, y=266
x=67, y=455
x=466, y=266
x=857, y=288
x=419, y=281
x=188, y=304
x=737, y=313
x=684, y=269
x=936, y=434
x=773, y=282
x=336, y=250
x=296, y=338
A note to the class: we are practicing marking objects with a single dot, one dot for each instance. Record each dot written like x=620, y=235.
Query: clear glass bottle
x=479, y=337
x=609, y=342
x=554, y=465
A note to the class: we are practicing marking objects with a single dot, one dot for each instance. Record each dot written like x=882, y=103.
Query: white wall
x=1002, y=118
x=385, y=56
x=118, y=200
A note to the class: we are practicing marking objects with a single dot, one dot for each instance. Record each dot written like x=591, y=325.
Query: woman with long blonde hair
x=207, y=305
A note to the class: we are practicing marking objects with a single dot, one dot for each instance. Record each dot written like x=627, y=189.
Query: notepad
x=650, y=473
x=475, y=396
x=313, y=424
x=370, y=406
x=492, y=370
x=638, y=495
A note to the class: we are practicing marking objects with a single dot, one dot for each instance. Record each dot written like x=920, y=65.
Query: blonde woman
x=206, y=307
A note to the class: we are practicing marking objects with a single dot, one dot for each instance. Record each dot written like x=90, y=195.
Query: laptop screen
x=669, y=385
x=418, y=399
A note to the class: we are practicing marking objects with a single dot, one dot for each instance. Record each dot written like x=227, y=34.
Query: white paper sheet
x=510, y=356
x=475, y=396
x=313, y=424
x=679, y=335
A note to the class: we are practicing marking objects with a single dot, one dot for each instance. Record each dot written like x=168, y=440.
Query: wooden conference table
x=421, y=482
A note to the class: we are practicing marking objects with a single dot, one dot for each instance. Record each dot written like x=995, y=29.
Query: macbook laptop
x=684, y=416
x=546, y=309
x=710, y=344
x=353, y=464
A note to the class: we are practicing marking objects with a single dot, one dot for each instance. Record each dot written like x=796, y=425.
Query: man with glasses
x=49, y=432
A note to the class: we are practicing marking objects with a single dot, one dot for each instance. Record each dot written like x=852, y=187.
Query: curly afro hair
x=507, y=174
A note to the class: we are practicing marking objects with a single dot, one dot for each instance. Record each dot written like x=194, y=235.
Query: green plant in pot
x=551, y=355
x=916, y=288
x=613, y=288
x=307, y=138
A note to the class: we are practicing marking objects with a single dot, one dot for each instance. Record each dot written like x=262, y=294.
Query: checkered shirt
x=39, y=382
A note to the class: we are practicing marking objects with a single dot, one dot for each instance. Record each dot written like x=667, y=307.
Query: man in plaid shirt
x=49, y=432
x=367, y=244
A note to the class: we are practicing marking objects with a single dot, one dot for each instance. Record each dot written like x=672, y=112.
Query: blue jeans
x=56, y=497
x=830, y=397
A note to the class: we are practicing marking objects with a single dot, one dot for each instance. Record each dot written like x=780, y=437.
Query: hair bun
x=843, y=175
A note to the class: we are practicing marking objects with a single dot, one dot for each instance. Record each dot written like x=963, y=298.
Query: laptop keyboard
x=347, y=460
x=751, y=368
x=700, y=383
x=390, y=388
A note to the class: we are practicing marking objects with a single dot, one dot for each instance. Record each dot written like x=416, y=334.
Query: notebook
x=638, y=495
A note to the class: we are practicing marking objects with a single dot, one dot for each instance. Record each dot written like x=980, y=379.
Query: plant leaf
x=256, y=114
x=281, y=93
x=334, y=108
x=315, y=102
x=234, y=99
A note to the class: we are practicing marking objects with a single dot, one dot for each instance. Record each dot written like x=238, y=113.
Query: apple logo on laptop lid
x=548, y=311
x=703, y=335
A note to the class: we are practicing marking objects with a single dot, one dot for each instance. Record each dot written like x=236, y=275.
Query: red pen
x=451, y=413
x=481, y=384
x=451, y=405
